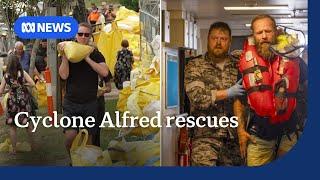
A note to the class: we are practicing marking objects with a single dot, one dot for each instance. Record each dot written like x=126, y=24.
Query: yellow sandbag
x=118, y=150
x=4, y=101
x=132, y=104
x=123, y=97
x=83, y=154
x=145, y=93
x=96, y=37
x=146, y=153
x=130, y=24
x=141, y=153
x=109, y=44
x=136, y=153
x=76, y=52
x=105, y=159
x=123, y=13
x=5, y=146
x=41, y=93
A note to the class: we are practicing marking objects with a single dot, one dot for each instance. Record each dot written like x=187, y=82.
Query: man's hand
x=236, y=90
x=244, y=137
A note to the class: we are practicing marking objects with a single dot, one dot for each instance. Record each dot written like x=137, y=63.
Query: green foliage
x=130, y=4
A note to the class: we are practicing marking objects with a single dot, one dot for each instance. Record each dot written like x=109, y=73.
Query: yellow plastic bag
x=41, y=93
x=4, y=101
x=109, y=44
x=123, y=13
x=75, y=52
x=132, y=104
x=83, y=154
x=146, y=153
x=105, y=159
x=123, y=97
x=145, y=93
x=5, y=146
x=136, y=153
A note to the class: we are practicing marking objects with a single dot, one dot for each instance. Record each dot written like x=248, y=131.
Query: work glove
x=236, y=90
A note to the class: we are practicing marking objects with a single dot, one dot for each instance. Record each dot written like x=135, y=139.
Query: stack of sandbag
x=141, y=102
x=126, y=26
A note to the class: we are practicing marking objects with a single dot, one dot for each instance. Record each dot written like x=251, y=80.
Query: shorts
x=264, y=151
x=84, y=110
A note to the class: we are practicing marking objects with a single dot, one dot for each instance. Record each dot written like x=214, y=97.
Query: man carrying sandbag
x=81, y=84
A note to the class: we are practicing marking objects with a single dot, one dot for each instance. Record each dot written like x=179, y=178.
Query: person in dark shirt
x=82, y=85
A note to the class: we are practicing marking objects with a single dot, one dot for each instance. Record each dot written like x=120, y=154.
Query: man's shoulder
x=97, y=56
x=198, y=62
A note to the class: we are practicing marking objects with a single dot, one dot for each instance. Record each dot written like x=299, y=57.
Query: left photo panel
x=80, y=83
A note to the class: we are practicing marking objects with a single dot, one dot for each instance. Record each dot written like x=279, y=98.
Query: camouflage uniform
x=212, y=146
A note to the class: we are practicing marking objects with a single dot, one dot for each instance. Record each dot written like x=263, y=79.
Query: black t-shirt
x=82, y=83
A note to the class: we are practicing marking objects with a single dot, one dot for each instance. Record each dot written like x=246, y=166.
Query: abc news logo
x=46, y=27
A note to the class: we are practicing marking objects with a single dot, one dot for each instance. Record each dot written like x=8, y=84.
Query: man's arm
x=244, y=136
x=200, y=97
x=101, y=68
x=64, y=68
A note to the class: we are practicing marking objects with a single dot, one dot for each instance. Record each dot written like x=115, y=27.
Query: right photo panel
x=234, y=79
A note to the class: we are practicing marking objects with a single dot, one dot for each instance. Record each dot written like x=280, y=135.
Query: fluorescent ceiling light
x=241, y=8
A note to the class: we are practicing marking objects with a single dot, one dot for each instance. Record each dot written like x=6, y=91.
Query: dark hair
x=125, y=43
x=87, y=25
x=14, y=66
x=263, y=16
x=220, y=25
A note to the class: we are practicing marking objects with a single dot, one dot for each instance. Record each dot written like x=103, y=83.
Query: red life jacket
x=271, y=86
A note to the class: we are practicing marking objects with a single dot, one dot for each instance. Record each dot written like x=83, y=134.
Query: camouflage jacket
x=203, y=78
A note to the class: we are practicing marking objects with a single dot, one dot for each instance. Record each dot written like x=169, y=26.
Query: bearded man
x=271, y=83
x=212, y=85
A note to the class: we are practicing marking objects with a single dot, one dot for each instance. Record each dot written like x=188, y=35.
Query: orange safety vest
x=271, y=85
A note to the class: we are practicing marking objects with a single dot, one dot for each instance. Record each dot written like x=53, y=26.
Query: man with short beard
x=212, y=85
x=272, y=128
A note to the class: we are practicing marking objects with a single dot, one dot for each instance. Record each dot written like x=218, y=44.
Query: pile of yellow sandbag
x=135, y=101
x=126, y=26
